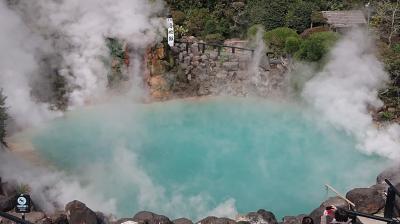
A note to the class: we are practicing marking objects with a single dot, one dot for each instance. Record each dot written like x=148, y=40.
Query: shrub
x=276, y=38
x=196, y=20
x=178, y=16
x=292, y=45
x=316, y=46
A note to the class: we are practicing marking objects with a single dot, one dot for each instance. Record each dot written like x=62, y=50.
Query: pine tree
x=3, y=117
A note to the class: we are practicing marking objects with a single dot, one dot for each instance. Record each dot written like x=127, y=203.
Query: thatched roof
x=340, y=19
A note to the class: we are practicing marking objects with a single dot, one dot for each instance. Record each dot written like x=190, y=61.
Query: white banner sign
x=171, y=37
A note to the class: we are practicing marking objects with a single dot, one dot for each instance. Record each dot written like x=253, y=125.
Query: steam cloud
x=17, y=69
x=76, y=32
x=347, y=87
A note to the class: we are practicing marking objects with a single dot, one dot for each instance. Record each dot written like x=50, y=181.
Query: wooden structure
x=344, y=20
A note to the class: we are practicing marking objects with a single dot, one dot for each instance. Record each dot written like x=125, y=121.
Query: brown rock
x=215, y=220
x=367, y=200
x=78, y=213
x=182, y=221
x=145, y=217
x=293, y=219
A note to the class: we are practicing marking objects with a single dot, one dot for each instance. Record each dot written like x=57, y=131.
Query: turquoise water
x=262, y=154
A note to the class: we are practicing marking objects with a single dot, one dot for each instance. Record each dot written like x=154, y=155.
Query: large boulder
x=293, y=219
x=145, y=217
x=336, y=201
x=367, y=200
x=78, y=213
x=215, y=220
x=261, y=216
x=182, y=221
x=391, y=173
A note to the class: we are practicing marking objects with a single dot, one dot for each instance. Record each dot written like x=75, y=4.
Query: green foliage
x=117, y=53
x=316, y=46
x=276, y=38
x=179, y=17
x=391, y=58
x=271, y=14
x=386, y=19
x=196, y=20
x=396, y=48
x=60, y=90
x=3, y=117
x=292, y=45
x=299, y=15
x=386, y=115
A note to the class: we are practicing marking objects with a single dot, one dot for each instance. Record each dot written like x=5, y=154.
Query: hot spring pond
x=184, y=158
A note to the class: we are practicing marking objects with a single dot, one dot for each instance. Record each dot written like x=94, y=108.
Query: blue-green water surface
x=262, y=154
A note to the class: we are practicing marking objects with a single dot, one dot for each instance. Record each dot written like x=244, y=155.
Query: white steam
x=51, y=190
x=78, y=31
x=17, y=69
x=347, y=87
x=125, y=170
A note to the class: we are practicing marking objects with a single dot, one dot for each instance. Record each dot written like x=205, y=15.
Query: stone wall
x=185, y=70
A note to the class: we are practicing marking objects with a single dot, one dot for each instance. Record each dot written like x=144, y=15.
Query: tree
x=299, y=15
x=316, y=46
x=387, y=19
x=3, y=117
x=276, y=39
x=270, y=14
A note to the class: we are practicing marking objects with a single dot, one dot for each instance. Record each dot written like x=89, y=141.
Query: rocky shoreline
x=370, y=200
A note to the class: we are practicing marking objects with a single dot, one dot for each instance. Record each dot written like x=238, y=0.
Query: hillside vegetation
x=295, y=29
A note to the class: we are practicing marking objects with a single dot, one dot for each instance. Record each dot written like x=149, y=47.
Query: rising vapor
x=345, y=90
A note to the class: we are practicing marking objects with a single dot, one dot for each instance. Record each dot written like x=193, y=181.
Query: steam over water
x=214, y=156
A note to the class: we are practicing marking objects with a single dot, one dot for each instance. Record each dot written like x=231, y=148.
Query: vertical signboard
x=171, y=37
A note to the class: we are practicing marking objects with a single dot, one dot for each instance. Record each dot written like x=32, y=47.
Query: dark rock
x=293, y=219
x=391, y=173
x=367, y=200
x=336, y=201
x=182, y=221
x=102, y=219
x=60, y=219
x=7, y=203
x=215, y=220
x=46, y=220
x=151, y=218
x=78, y=213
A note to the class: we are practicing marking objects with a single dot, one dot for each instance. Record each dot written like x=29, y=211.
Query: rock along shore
x=370, y=200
